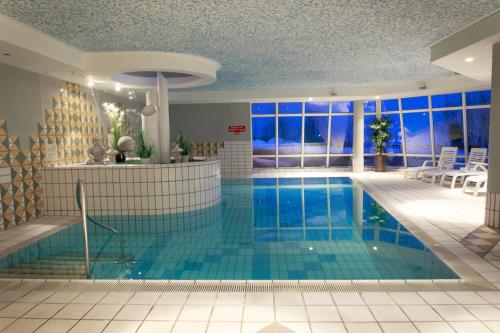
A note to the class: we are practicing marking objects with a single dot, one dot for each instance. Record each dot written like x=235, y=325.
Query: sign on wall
x=236, y=129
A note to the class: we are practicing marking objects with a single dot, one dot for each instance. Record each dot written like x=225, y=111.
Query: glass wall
x=320, y=133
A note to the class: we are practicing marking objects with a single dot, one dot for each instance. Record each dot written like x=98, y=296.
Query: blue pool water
x=287, y=228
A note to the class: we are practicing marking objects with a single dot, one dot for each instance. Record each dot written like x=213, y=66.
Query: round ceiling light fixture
x=469, y=59
x=118, y=87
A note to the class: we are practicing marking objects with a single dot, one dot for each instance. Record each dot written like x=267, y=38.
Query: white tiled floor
x=283, y=312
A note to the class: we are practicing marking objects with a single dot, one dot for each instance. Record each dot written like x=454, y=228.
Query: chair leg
x=441, y=182
x=453, y=181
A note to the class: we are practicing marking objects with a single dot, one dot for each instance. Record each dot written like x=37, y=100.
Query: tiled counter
x=140, y=190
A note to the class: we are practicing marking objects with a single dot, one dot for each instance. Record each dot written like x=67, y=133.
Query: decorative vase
x=146, y=160
x=185, y=158
x=380, y=161
x=120, y=157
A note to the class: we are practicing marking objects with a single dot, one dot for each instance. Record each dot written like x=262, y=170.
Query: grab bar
x=83, y=207
x=79, y=186
x=81, y=201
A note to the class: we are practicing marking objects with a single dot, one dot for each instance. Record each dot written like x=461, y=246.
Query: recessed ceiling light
x=130, y=97
x=469, y=59
x=309, y=99
x=90, y=83
x=118, y=87
x=130, y=92
x=377, y=97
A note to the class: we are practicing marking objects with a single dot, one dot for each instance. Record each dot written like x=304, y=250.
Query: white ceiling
x=267, y=44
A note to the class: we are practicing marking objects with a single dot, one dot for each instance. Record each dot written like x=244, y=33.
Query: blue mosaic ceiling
x=266, y=43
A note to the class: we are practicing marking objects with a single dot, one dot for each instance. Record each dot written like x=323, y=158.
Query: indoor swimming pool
x=264, y=228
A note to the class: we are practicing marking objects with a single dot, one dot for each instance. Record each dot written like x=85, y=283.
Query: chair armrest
x=428, y=161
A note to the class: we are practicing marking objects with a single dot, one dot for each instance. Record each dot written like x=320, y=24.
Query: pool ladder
x=81, y=200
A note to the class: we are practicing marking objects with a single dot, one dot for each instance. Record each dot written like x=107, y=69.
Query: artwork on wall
x=63, y=138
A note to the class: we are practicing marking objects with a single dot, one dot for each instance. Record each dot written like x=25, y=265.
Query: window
x=263, y=136
x=395, y=142
x=473, y=98
x=289, y=135
x=478, y=125
x=341, y=135
x=343, y=107
x=263, y=108
x=369, y=106
x=315, y=135
x=314, y=162
x=317, y=107
x=446, y=100
x=320, y=133
x=388, y=105
x=448, y=130
x=369, y=146
x=289, y=162
x=417, y=133
x=415, y=103
x=289, y=108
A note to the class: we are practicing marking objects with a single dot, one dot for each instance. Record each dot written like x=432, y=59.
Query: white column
x=163, y=119
x=358, y=162
x=492, y=217
x=151, y=127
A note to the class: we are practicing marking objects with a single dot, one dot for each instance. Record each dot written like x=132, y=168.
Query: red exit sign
x=236, y=129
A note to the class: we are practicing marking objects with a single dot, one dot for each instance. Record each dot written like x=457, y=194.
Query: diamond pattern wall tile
x=70, y=123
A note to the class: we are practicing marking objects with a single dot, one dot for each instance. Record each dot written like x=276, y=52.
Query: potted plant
x=115, y=117
x=142, y=148
x=380, y=136
x=185, y=144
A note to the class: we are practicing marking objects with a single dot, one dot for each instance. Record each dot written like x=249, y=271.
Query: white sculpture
x=126, y=143
x=97, y=152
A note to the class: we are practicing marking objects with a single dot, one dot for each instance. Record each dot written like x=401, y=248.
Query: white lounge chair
x=475, y=166
x=446, y=161
x=475, y=184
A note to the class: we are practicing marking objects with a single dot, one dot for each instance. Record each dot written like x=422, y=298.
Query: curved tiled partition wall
x=135, y=190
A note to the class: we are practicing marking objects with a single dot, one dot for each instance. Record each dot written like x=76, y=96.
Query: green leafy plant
x=184, y=142
x=115, y=116
x=142, y=148
x=380, y=133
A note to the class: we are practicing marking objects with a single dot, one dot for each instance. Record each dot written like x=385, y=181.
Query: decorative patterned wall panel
x=70, y=124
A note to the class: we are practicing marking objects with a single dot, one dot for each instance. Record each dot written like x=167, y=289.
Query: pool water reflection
x=264, y=228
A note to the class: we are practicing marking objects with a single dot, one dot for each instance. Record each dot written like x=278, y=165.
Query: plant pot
x=120, y=158
x=185, y=158
x=380, y=161
x=146, y=160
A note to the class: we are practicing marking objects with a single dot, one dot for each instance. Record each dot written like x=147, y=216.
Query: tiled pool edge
x=466, y=273
x=469, y=275
x=241, y=286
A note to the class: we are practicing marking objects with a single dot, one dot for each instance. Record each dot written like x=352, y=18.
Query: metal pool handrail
x=80, y=191
x=81, y=200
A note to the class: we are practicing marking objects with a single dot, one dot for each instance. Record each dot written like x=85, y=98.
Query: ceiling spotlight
x=333, y=93
x=6, y=54
x=309, y=99
x=90, y=83
x=130, y=97
x=118, y=87
x=469, y=59
x=377, y=97
x=422, y=85
x=130, y=92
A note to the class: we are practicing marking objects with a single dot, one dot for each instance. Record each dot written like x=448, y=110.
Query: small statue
x=97, y=152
